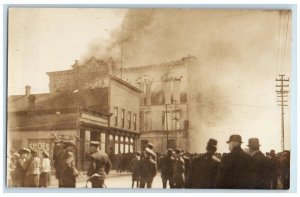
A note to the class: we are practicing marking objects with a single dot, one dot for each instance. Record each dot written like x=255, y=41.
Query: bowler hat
x=150, y=145
x=235, y=138
x=212, y=142
x=253, y=142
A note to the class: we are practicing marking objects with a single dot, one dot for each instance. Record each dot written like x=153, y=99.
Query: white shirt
x=46, y=166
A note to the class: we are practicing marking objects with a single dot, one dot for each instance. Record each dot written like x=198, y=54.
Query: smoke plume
x=232, y=47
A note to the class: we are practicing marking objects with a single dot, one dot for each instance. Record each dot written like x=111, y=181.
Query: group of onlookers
x=238, y=169
x=29, y=168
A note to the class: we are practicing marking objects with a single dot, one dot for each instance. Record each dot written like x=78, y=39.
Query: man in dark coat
x=259, y=166
x=21, y=167
x=274, y=172
x=234, y=168
x=60, y=158
x=148, y=168
x=204, y=168
x=68, y=172
x=135, y=167
x=285, y=169
x=178, y=170
x=166, y=164
x=99, y=167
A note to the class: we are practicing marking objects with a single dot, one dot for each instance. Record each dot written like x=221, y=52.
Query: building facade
x=82, y=115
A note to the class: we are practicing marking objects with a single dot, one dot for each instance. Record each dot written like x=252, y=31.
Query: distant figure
x=135, y=166
x=21, y=167
x=178, y=170
x=45, y=170
x=99, y=167
x=259, y=175
x=204, y=168
x=166, y=164
x=33, y=170
x=234, y=167
x=148, y=169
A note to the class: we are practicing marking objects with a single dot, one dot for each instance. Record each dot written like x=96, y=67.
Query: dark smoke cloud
x=232, y=47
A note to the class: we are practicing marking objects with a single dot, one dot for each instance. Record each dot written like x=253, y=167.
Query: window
x=170, y=120
x=176, y=118
x=129, y=120
x=146, y=121
x=116, y=116
x=123, y=117
x=134, y=122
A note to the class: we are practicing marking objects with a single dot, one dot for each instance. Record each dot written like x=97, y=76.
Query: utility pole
x=175, y=122
x=281, y=94
x=167, y=130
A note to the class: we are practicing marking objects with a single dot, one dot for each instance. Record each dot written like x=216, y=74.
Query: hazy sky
x=240, y=54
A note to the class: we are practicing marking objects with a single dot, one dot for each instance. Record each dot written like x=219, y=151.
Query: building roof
x=93, y=99
x=164, y=65
x=126, y=84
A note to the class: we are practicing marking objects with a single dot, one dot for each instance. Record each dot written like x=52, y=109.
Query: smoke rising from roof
x=237, y=53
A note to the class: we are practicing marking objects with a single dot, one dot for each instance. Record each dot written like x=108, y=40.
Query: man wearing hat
x=178, y=170
x=260, y=166
x=135, y=167
x=21, y=167
x=204, y=168
x=99, y=167
x=148, y=168
x=166, y=164
x=234, y=168
x=33, y=170
x=151, y=146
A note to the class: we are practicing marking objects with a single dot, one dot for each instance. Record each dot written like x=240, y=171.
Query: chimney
x=167, y=91
x=148, y=93
x=27, y=90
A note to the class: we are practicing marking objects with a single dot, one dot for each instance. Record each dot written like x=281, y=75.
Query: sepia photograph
x=161, y=98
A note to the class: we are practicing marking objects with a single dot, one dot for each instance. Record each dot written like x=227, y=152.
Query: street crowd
x=238, y=169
